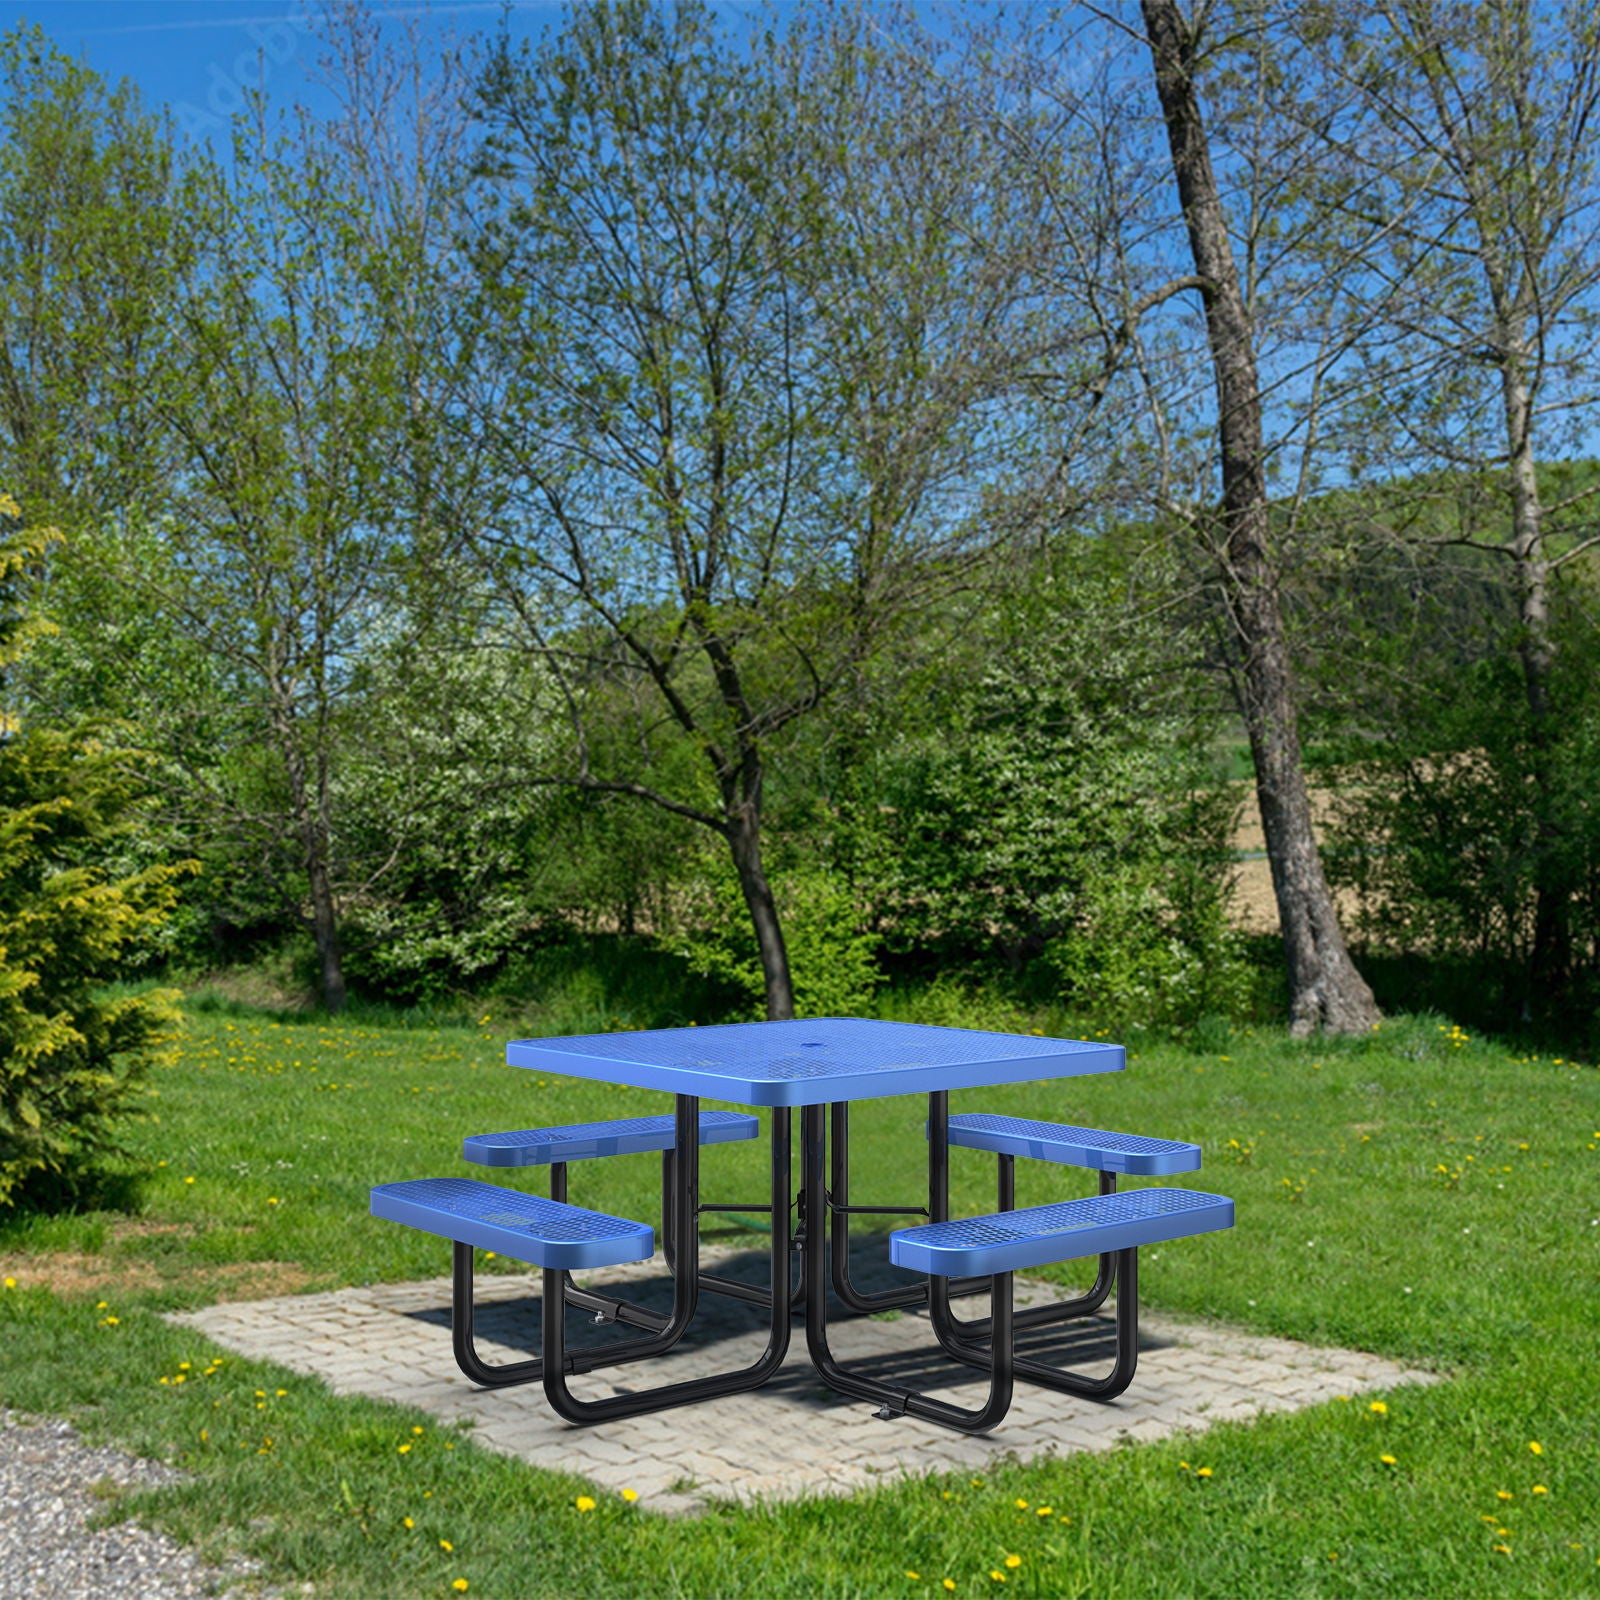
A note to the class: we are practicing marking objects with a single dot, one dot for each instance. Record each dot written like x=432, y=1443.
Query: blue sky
x=197, y=56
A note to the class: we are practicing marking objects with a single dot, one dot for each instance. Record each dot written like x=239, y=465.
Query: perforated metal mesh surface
x=826, y=1047
x=652, y=1128
x=528, y=1214
x=1012, y=1241
x=1060, y=1132
x=1065, y=1216
x=1095, y=1148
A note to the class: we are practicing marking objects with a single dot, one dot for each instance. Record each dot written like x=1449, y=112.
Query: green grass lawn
x=1418, y=1194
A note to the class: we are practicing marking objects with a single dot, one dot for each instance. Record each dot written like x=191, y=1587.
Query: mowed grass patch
x=1385, y=1237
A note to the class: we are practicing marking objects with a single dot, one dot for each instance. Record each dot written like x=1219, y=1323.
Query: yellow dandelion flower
x=444, y=1544
x=417, y=1431
x=997, y=1575
x=1378, y=1408
x=1503, y=1549
x=1502, y=1494
x=1045, y=1511
x=1202, y=1472
x=407, y=1523
x=1388, y=1461
x=584, y=1503
x=913, y=1575
x=1536, y=1447
x=1013, y=1562
x=1021, y=1505
x=949, y=1583
x=630, y=1495
x=1539, y=1488
x=405, y=1449
x=11, y=1283
x=459, y=1584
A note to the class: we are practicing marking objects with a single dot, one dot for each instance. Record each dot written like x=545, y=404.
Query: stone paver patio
x=392, y=1342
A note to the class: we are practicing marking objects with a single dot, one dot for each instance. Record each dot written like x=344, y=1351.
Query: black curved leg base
x=558, y=1362
x=492, y=1375
x=956, y=1345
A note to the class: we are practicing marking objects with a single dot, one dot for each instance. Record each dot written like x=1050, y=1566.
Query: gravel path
x=46, y=1546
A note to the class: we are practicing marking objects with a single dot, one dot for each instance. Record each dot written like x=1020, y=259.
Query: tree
x=71, y=1060
x=725, y=407
x=1469, y=132
x=88, y=245
x=1325, y=989
x=268, y=547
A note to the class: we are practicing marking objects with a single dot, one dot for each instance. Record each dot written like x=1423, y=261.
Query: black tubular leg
x=711, y=1282
x=479, y=1371
x=606, y=1307
x=558, y=1361
x=836, y=1201
x=552, y=1313
x=1126, y=1267
x=1083, y=1305
x=493, y=1376
x=893, y=1402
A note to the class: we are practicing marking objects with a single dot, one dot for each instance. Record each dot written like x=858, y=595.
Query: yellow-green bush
x=70, y=1058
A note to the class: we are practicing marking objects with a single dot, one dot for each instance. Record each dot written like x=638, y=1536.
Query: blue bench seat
x=527, y=1227
x=1012, y=1241
x=580, y=1141
x=1129, y=1153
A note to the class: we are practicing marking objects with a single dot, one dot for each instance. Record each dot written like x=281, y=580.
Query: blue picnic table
x=818, y=1068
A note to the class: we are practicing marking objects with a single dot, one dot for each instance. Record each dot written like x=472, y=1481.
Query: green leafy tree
x=71, y=1060
x=1461, y=183
x=731, y=377
x=89, y=242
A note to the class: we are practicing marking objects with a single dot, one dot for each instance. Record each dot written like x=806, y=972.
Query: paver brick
x=794, y=1437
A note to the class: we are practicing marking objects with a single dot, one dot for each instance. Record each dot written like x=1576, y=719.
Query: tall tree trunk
x=744, y=839
x=1549, y=961
x=310, y=825
x=325, y=930
x=1325, y=990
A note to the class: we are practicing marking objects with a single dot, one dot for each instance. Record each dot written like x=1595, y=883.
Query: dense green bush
x=1058, y=809
x=71, y=1060
x=1459, y=809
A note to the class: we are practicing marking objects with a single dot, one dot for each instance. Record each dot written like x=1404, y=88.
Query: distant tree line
x=825, y=499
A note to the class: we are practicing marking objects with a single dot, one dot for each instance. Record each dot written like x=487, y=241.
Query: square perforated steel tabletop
x=812, y=1063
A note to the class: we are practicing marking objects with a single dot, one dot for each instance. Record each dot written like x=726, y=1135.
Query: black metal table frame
x=986, y=1344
